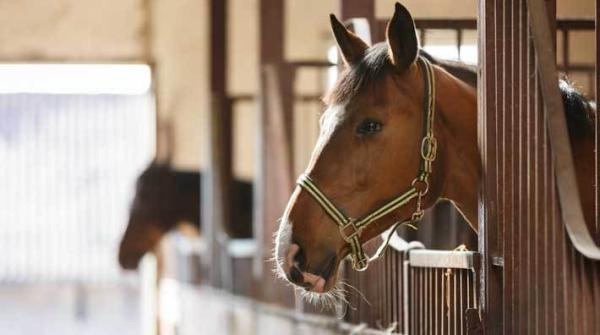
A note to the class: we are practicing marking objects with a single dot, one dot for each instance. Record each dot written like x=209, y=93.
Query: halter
x=350, y=228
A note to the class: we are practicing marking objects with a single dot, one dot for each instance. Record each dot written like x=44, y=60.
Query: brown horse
x=165, y=197
x=377, y=140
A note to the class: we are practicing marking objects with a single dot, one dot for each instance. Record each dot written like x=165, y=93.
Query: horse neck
x=459, y=169
x=187, y=197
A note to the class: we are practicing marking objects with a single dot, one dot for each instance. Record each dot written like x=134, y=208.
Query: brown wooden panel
x=544, y=286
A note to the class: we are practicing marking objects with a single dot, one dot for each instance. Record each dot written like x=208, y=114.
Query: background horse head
x=369, y=151
x=163, y=198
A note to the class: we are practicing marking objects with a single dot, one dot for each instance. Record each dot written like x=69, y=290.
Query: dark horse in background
x=164, y=198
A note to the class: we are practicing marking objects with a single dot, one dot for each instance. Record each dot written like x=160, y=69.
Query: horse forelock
x=361, y=77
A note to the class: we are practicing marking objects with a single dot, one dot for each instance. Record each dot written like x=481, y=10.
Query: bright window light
x=129, y=79
x=332, y=71
x=468, y=53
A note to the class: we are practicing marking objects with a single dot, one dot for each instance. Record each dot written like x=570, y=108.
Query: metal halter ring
x=429, y=148
x=423, y=182
x=360, y=264
x=356, y=231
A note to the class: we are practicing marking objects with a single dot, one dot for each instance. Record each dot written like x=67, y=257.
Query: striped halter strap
x=350, y=228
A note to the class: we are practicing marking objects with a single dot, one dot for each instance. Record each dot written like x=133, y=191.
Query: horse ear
x=351, y=46
x=401, y=38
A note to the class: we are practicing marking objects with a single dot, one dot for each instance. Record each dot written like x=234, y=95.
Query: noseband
x=350, y=228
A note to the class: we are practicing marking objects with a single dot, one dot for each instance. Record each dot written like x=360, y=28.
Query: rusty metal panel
x=534, y=280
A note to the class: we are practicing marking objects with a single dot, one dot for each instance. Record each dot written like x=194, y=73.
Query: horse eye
x=369, y=127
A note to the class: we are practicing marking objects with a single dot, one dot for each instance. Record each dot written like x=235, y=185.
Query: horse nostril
x=296, y=276
x=300, y=259
x=329, y=268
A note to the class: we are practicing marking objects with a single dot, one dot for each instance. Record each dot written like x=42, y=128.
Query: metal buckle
x=356, y=231
x=429, y=148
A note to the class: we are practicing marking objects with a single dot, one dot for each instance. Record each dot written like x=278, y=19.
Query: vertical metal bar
x=442, y=301
x=425, y=301
x=447, y=315
x=454, y=318
x=421, y=301
x=461, y=307
x=412, y=305
x=436, y=301
x=405, y=296
x=430, y=302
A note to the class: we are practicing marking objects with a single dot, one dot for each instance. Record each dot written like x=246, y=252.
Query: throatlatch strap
x=428, y=155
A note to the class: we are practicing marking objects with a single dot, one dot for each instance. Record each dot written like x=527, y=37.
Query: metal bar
x=461, y=304
x=407, y=282
x=442, y=259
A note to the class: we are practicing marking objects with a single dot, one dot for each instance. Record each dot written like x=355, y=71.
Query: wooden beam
x=349, y=9
x=274, y=180
x=217, y=178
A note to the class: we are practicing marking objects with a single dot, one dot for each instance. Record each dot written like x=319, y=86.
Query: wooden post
x=490, y=296
x=349, y=9
x=217, y=178
x=274, y=181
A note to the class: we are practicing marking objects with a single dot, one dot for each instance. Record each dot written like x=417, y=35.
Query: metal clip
x=360, y=264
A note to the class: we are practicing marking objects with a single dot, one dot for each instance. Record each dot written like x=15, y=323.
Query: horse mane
x=580, y=111
x=465, y=72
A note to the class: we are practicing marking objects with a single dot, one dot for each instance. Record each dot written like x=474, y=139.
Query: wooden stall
x=534, y=278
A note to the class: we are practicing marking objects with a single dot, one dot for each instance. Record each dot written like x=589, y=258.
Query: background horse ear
x=402, y=38
x=351, y=46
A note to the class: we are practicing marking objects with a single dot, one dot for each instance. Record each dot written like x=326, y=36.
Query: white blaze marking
x=330, y=120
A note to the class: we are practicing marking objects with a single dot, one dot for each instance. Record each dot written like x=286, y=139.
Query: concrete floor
x=206, y=311
x=61, y=309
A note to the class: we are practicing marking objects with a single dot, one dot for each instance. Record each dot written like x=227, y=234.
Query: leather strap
x=560, y=146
